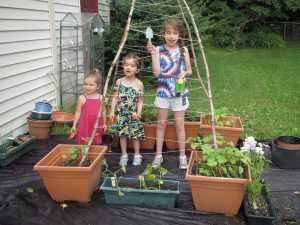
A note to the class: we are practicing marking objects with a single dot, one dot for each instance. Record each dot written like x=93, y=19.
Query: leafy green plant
x=148, y=175
x=226, y=161
x=148, y=179
x=74, y=153
x=115, y=175
x=259, y=164
x=58, y=129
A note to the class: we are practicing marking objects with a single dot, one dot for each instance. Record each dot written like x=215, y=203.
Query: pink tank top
x=89, y=113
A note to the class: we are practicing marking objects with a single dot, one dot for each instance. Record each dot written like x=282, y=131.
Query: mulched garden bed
x=24, y=199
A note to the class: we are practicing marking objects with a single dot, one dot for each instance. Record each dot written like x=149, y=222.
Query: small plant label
x=113, y=181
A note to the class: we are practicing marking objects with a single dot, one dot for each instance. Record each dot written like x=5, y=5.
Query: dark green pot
x=20, y=148
x=140, y=197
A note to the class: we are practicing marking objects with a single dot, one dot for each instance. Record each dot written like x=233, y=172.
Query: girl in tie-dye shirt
x=170, y=62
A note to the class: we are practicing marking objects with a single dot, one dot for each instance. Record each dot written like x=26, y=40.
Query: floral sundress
x=126, y=105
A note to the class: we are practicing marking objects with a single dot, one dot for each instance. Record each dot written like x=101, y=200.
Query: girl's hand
x=182, y=75
x=112, y=115
x=104, y=128
x=73, y=130
x=151, y=48
x=135, y=116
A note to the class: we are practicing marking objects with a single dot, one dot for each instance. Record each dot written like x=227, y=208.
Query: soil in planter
x=263, y=208
x=11, y=147
x=75, y=163
x=24, y=138
x=151, y=186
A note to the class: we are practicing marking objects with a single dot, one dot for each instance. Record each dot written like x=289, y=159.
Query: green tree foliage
x=235, y=23
x=239, y=23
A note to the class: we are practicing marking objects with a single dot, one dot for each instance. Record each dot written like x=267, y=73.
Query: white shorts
x=175, y=104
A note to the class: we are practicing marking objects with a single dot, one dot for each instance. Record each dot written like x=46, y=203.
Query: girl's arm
x=154, y=51
x=140, y=101
x=114, y=102
x=104, y=115
x=79, y=103
x=187, y=62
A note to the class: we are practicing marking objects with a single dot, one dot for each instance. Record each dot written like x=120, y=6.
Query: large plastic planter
x=70, y=183
x=215, y=194
x=229, y=133
x=285, y=158
x=140, y=197
x=150, y=137
x=21, y=148
x=191, y=130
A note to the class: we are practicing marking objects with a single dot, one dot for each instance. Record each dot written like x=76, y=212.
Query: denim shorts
x=175, y=104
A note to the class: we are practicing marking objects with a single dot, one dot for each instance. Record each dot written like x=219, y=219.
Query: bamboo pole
x=193, y=49
x=114, y=63
x=212, y=118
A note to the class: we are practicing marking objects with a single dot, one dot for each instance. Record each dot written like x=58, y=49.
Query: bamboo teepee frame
x=207, y=89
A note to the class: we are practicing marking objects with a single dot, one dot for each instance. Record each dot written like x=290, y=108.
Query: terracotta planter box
x=191, y=130
x=215, y=194
x=229, y=133
x=150, y=137
x=70, y=183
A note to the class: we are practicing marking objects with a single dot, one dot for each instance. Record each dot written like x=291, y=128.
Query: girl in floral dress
x=127, y=107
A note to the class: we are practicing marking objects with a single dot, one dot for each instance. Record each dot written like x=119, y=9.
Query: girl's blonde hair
x=176, y=24
x=94, y=74
x=137, y=62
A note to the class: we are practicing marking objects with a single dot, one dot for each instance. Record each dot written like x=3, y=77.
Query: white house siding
x=29, y=54
x=103, y=10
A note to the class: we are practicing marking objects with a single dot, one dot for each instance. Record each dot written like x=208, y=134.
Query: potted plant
x=148, y=189
x=14, y=148
x=217, y=177
x=230, y=127
x=257, y=201
x=64, y=178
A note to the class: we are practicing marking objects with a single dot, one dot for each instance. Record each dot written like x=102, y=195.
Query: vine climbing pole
x=113, y=65
x=115, y=62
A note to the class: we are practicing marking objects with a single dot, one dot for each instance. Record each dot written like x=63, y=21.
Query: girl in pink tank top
x=87, y=110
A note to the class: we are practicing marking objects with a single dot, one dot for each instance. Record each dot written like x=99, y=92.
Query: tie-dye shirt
x=171, y=65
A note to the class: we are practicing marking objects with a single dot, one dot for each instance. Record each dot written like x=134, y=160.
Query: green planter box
x=6, y=143
x=141, y=197
x=20, y=148
x=260, y=220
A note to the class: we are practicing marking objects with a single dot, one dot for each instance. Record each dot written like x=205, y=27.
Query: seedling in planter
x=223, y=113
x=115, y=177
x=148, y=175
x=73, y=156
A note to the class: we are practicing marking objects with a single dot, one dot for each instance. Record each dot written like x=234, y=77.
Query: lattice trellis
x=194, y=44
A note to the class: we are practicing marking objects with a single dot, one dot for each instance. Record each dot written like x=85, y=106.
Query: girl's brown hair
x=137, y=62
x=94, y=74
x=176, y=24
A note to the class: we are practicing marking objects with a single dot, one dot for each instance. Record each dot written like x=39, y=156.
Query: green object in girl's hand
x=149, y=33
x=179, y=87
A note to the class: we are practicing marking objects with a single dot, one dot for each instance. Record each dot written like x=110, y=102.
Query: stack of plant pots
x=286, y=152
x=40, y=122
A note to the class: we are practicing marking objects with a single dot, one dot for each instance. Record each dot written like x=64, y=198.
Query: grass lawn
x=261, y=86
